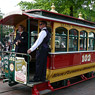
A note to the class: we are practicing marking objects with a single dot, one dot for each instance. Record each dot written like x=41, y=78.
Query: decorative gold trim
x=68, y=72
x=80, y=16
x=53, y=8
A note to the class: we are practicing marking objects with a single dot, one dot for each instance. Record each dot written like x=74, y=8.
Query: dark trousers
x=41, y=64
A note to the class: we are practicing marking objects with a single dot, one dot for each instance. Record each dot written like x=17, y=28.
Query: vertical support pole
x=78, y=40
x=53, y=38
x=87, y=41
x=68, y=40
x=94, y=43
x=28, y=47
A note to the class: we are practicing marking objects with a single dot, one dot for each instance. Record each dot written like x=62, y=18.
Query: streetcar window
x=91, y=41
x=34, y=31
x=73, y=40
x=83, y=40
x=61, y=39
x=33, y=37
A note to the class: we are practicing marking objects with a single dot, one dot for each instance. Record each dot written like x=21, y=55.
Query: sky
x=7, y=6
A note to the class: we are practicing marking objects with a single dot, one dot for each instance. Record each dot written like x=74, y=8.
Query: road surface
x=84, y=88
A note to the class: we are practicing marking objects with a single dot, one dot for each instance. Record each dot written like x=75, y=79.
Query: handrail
x=23, y=54
x=13, y=52
x=16, y=53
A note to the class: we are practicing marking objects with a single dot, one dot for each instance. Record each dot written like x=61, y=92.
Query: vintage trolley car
x=72, y=56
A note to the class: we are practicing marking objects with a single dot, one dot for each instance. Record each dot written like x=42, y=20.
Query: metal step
x=44, y=91
x=31, y=84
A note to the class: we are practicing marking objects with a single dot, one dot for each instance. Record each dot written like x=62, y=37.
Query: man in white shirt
x=41, y=55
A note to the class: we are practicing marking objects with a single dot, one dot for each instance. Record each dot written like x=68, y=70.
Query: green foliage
x=67, y=7
x=1, y=14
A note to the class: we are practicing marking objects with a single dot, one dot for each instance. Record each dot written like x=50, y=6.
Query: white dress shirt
x=40, y=39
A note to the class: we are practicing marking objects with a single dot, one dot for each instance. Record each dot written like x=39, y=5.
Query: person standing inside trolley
x=21, y=40
x=42, y=52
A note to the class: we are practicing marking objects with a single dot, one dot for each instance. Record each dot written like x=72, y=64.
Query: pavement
x=84, y=88
x=16, y=90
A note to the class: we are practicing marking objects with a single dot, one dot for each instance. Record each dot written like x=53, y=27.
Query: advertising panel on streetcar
x=21, y=70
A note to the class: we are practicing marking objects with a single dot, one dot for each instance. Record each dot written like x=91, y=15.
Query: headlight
x=11, y=67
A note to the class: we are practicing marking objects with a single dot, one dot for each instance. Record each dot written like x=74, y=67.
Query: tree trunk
x=71, y=11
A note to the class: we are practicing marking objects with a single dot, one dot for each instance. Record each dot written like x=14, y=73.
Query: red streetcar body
x=58, y=61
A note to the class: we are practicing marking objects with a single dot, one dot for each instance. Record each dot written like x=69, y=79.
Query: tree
x=1, y=15
x=67, y=7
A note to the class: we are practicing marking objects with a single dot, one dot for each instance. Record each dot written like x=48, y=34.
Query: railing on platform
x=7, y=55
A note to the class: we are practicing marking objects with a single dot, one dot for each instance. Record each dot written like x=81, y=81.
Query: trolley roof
x=15, y=18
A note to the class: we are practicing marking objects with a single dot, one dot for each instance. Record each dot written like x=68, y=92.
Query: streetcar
x=71, y=59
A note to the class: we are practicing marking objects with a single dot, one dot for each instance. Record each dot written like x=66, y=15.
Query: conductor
x=42, y=52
